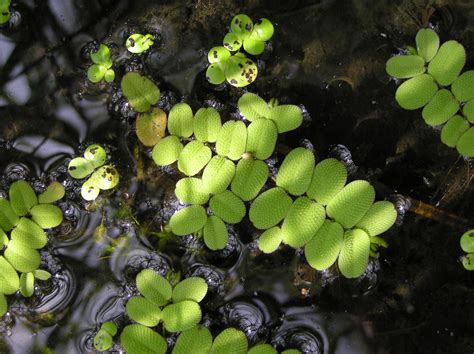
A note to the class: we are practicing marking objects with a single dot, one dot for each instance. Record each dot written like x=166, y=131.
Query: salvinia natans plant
x=101, y=69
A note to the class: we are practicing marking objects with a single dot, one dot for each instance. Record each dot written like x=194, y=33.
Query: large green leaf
x=215, y=233
x=80, y=167
x=416, y=92
x=143, y=311
x=230, y=341
x=138, y=339
x=180, y=120
x=379, y=218
x=154, y=287
x=261, y=138
x=303, y=220
x=27, y=284
x=151, y=126
x=441, y=107
x=354, y=255
x=207, y=124
x=197, y=340
x=427, y=43
x=188, y=220
x=228, y=207
x=46, y=215
x=141, y=92
x=322, y=251
x=269, y=208
x=250, y=177
x=167, y=151
x=465, y=144
x=447, y=63
x=296, y=171
x=21, y=257
x=254, y=46
x=463, y=87
x=29, y=234
x=8, y=217
x=53, y=193
x=193, y=158
x=101, y=56
x=286, y=117
x=405, y=66
x=232, y=140
x=218, y=174
x=181, y=316
x=192, y=288
x=252, y=107
x=22, y=197
x=191, y=190
x=329, y=177
x=270, y=240
x=351, y=203
x=9, y=280
x=467, y=241
x=453, y=129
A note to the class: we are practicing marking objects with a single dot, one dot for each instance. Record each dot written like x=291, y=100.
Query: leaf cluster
x=102, y=67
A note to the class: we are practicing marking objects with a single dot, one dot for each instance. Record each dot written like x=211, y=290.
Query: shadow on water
x=326, y=55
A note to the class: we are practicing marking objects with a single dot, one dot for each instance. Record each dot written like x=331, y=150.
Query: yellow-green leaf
x=228, y=207
x=47, y=215
x=322, y=251
x=329, y=177
x=250, y=177
x=405, y=66
x=143, y=311
x=192, y=288
x=453, y=129
x=296, y=171
x=465, y=144
x=197, y=340
x=180, y=120
x=270, y=240
x=167, y=151
x=9, y=280
x=262, y=135
x=354, y=255
x=379, y=218
x=188, y=220
x=286, y=117
x=138, y=339
x=215, y=233
x=193, y=158
x=151, y=126
x=232, y=140
x=218, y=174
x=154, y=287
x=207, y=124
x=416, y=92
x=181, y=316
x=441, y=107
x=447, y=63
x=191, y=190
x=22, y=197
x=269, y=208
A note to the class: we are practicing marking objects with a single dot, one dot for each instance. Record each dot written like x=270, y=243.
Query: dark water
x=326, y=55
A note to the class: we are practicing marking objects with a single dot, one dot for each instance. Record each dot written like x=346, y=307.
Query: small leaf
x=54, y=192
x=151, y=126
x=188, y=220
x=350, y=205
x=463, y=87
x=441, y=107
x=138, y=43
x=197, y=340
x=218, y=55
x=303, y=220
x=465, y=144
x=322, y=251
x=252, y=107
x=29, y=234
x=269, y=208
x=379, y=218
x=467, y=241
x=296, y=171
x=270, y=240
x=180, y=120
x=228, y=207
x=215, y=233
x=416, y=92
x=354, y=255
x=138, y=339
x=22, y=258
x=22, y=197
x=215, y=73
x=262, y=349
x=329, y=177
x=241, y=25
x=218, y=174
x=254, y=46
x=80, y=167
x=3, y=299
x=109, y=75
x=3, y=238
x=8, y=218
x=250, y=177
x=154, y=287
x=447, y=63
x=96, y=73
x=181, y=316
x=232, y=42
x=207, y=124
x=192, y=288
x=191, y=190
x=230, y=341
x=96, y=155
x=89, y=191
x=41, y=274
x=468, y=261
x=232, y=140
x=240, y=71
x=167, y=151
x=405, y=66
x=453, y=129
x=109, y=327
x=286, y=117
x=427, y=43
x=262, y=30
x=9, y=281
x=27, y=284
x=105, y=177
x=47, y=216
x=140, y=91
x=143, y=311
x=102, y=55
x=103, y=341
x=468, y=111
x=262, y=135
x=193, y=158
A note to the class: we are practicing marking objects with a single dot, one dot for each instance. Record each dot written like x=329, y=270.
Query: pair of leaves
x=103, y=340
x=205, y=125
x=237, y=70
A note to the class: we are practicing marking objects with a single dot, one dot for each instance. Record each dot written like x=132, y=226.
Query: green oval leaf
x=453, y=129
x=441, y=107
x=240, y=71
x=270, y=240
x=230, y=341
x=22, y=197
x=228, y=207
x=468, y=111
x=47, y=216
x=250, y=177
x=322, y=251
x=405, y=66
x=109, y=75
x=96, y=155
x=218, y=54
x=181, y=316
x=447, y=63
x=427, y=43
x=191, y=190
x=3, y=299
x=254, y=46
x=269, y=208
x=232, y=140
x=232, y=42
x=188, y=220
x=262, y=349
x=101, y=56
x=303, y=220
x=286, y=117
x=54, y=192
x=154, y=287
x=167, y=151
x=468, y=261
x=80, y=167
x=138, y=339
x=467, y=241
x=109, y=327
x=354, y=255
x=27, y=284
x=329, y=177
x=197, y=340
x=106, y=177
x=192, y=288
x=463, y=87
x=350, y=205
x=193, y=158
x=252, y=107
x=151, y=126
x=103, y=341
x=41, y=274
x=140, y=91
x=22, y=258
x=180, y=120
x=465, y=144
x=143, y=311
x=215, y=73
x=262, y=135
x=96, y=73
x=138, y=43
x=296, y=171
x=89, y=191
x=241, y=25
x=416, y=92
x=8, y=217
x=29, y=234
x=262, y=30
x=9, y=281
x=379, y=218
x=215, y=233
x=207, y=124
x=218, y=174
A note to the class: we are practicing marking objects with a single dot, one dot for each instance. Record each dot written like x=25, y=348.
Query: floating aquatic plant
x=102, y=67
x=23, y=218
x=140, y=91
x=467, y=245
x=103, y=340
x=430, y=69
x=138, y=43
x=102, y=177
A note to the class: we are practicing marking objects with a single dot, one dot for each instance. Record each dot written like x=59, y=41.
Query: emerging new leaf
x=188, y=220
x=193, y=158
x=296, y=171
x=416, y=92
x=354, y=255
x=250, y=177
x=329, y=177
x=228, y=207
x=215, y=233
x=322, y=251
x=269, y=208
x=447, y=63
x=379, y=218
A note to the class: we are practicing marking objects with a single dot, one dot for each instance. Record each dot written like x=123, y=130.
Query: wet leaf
x=22, y=197
x=447, y=63
x=22, y=258
x=296, y=171
x=322, y=251
x=405, y=66
x=89, y=191
x=151, y=126
x=191, y=190
x=180, y=120
x=218, y=55
x=217, y=175
x=47, y=216
x=29, y=234
x=181, y=316
x=96, y=73
x=54, y=192
x=427, y=43
x=167, y=151
x=143, y=311
x=467, y=241
x=250, y=177
x=286, y=117
x=463, y=87
x=262, y=30
x=8, y=217
x=193, y=158
x=154, y=287
x=138, y=339
x=416, y=92
x=230, y=341
x=188, y=220
x=96, y=155
x=215, y=73
x=252, y=107
x=241, y=25
x=109, y=75
x=197, y=340
x=441, y=107
x=262, y=135
x=240, y=71
x=270, y=240
x=262, y=349
x=254, y=46
x=27, y=284
x=269, y=208
x=105, y=177
x=228, y=207
x=379, y=218
x=329, y=177
x=453, y=130
x=141, y=92
x=9, y=280
x=109, y=327
x=207, y=124
x=354, y=255
x=80, y=167
x=232, y=42
x=215, y=233
x=465, y=144
x=192, y=288
x=232, y=140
